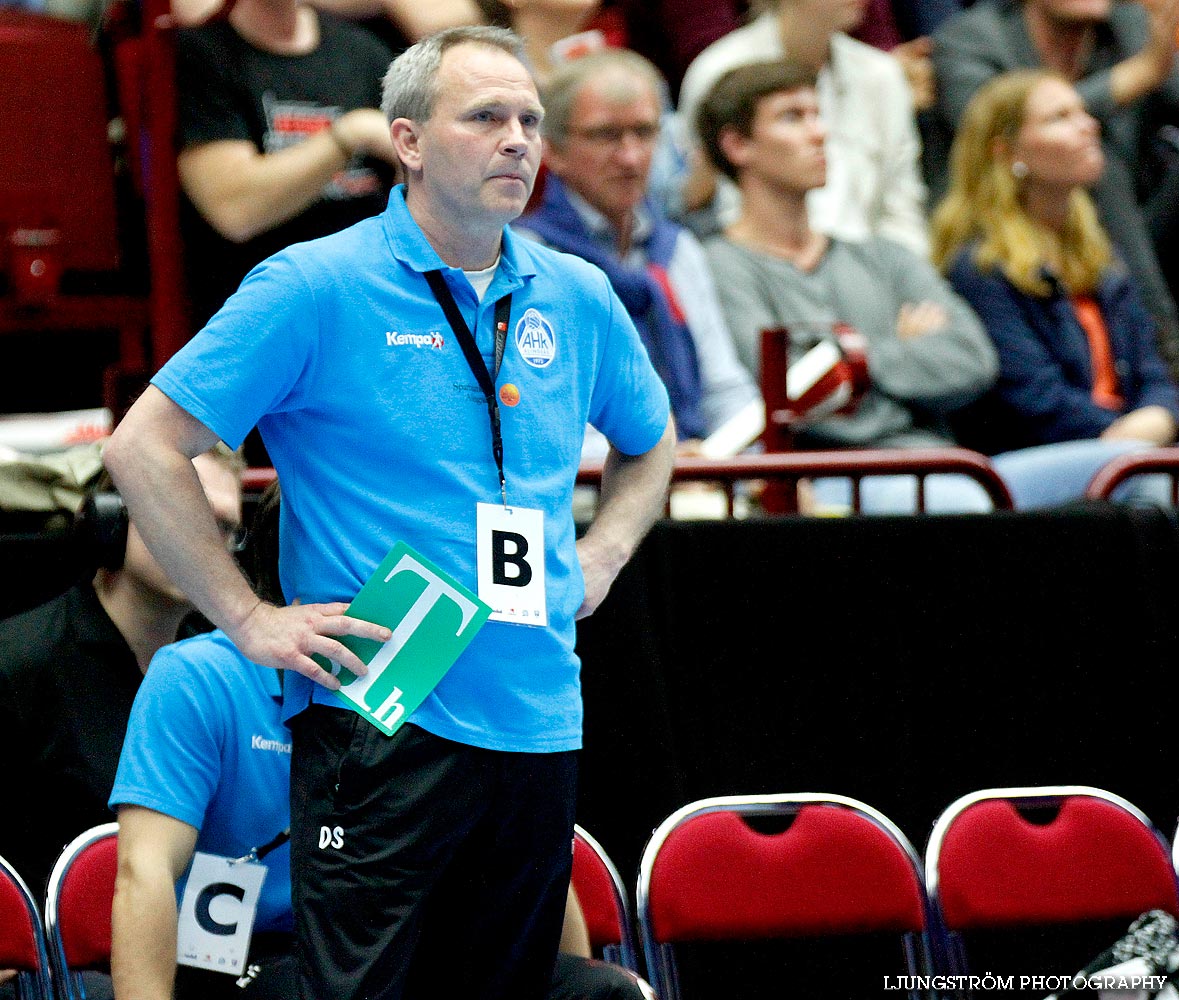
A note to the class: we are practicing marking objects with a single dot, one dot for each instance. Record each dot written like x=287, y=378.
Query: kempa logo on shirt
x=433, y=339
x=535, y=339
x=258, y=742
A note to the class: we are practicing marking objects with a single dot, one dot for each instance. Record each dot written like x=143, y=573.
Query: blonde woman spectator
x=1121, y=58
x=1019, y=238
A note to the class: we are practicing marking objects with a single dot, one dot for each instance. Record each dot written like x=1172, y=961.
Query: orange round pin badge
x=509, y=395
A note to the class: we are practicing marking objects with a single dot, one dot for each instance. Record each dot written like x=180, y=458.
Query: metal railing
x=784, y=470
x=1118, y=470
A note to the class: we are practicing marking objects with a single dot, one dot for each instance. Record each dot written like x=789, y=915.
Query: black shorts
x=422, y=867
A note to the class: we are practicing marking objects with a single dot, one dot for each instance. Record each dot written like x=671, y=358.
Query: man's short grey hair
x=410, y=87
x=560, y=94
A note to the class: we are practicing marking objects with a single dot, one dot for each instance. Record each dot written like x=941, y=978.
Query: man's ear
x=406, y=143
x=554, y=158
x=734, y=145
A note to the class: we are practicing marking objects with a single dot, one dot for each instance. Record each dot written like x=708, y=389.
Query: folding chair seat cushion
x=18, y=934
x=998, y=868
x=721, y=879
x=84, y=906
x=22, y=935
x=595, y=891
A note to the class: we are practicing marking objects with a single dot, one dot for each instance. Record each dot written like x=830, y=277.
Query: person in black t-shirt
x=280, y=137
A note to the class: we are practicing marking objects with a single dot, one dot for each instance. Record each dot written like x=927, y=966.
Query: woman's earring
x=1019, y=170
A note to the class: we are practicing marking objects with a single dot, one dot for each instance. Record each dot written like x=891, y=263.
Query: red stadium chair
x=1014, y=859
x=841, y=868
x=835, y=384
x=145, y=69
x=604, y=905
x=57, y=164
x=60, y=237
x=22, y=936
x=603, y=900
x=78, y=908
x=781, y=468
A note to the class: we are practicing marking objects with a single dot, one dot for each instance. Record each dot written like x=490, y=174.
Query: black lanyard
x=258, y=853
x=486, y=379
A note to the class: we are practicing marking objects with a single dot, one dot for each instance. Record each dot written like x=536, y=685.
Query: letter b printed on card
x=511, y=570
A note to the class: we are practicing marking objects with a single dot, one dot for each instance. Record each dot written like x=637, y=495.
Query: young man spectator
x=602, y=119
x=927, y=352
x=1121, y=58
x=874, y=187
x=69, y=670
x=280, y=137
x=458, y=826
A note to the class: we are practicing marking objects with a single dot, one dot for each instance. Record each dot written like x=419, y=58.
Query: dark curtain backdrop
x=903, y=661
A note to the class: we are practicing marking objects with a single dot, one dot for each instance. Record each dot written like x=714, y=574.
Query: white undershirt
x=481, y=280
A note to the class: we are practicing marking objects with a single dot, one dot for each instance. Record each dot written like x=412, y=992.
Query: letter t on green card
x=433, y=618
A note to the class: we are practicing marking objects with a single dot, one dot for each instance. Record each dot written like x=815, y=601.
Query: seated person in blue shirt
x=70, y=669
x=205, y=767
x=601, y=129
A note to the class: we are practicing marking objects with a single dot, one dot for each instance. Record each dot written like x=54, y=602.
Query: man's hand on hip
x=286, y=638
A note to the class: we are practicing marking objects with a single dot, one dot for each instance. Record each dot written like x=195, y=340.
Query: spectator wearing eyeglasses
x=601, y=129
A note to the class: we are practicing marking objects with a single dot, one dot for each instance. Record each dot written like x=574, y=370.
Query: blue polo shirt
x=206, y=745
x=379, y=433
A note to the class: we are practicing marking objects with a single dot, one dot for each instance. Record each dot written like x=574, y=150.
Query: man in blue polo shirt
x=348, y=354
x=205, y=768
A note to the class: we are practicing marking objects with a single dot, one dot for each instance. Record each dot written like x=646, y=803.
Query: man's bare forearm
x=153, y=850
x=242, y=193
x=633, y=495
x=149, y=456
x=1149, y=67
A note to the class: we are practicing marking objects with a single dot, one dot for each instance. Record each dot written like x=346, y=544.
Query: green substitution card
x=433, y=618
